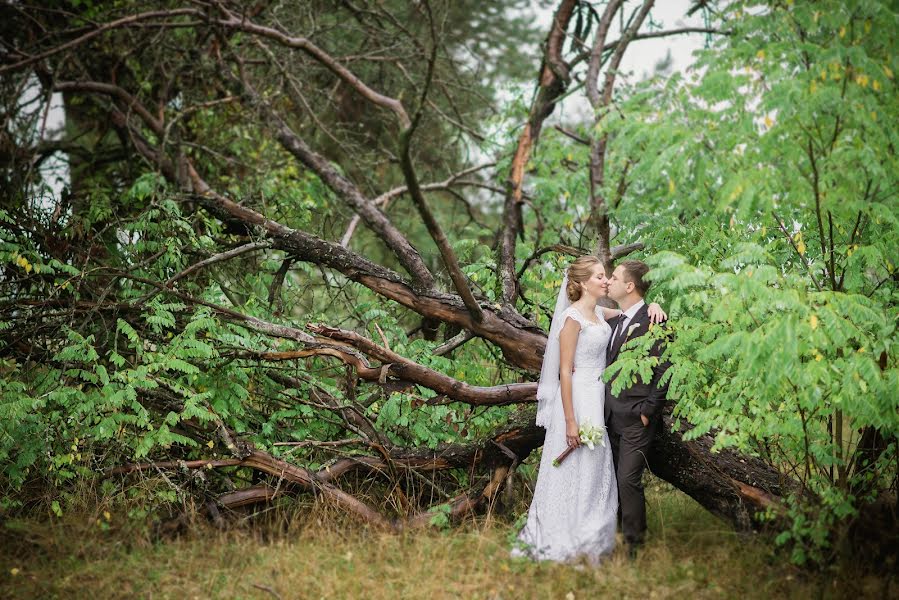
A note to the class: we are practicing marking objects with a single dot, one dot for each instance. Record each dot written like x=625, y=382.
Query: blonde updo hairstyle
x=580, y=271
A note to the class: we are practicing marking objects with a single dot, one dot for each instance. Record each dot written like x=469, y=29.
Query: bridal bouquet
x=590, y=436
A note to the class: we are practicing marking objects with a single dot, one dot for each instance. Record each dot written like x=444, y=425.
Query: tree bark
x=553, y=81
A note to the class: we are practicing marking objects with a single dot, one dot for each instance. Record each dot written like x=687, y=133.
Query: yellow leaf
x=862, y=80
x=800, y=244
x=842, y=32
x=23, y=262
x=814, y=87
x=107, y=515
x=861, y=350
x=210, y=443
x=868, y=26
x=813, y=321
x=887, y=72
x=823, y=75
x=875, y=85
x=14, y=571
x=873, y=115
x=671, y=186
x=760, y=55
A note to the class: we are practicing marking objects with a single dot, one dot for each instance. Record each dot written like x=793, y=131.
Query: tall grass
x=310, y=552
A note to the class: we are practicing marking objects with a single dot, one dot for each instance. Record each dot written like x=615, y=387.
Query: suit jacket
x=639, y=398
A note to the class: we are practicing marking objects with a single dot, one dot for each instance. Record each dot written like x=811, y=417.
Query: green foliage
x=770, y=173
x=763, y=184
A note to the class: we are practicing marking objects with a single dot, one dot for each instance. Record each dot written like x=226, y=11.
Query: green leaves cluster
x=771, y=173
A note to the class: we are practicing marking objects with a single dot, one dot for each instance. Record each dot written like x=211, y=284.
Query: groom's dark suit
x=630, y=439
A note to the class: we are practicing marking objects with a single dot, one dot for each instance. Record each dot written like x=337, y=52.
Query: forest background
x=299, y=259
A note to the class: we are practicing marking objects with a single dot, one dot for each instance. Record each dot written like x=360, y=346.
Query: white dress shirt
x=628, y=316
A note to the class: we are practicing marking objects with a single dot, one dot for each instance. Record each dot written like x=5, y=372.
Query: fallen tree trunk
x=734, y=487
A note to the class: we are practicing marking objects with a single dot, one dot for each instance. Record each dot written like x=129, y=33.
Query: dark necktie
x=618, y=336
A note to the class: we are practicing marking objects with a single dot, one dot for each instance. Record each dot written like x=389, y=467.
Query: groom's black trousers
x=631, y=443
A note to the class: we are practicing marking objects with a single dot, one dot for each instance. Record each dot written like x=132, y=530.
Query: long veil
x=549, y=372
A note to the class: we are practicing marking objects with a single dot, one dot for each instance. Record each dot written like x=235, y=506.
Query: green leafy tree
x=770, y=171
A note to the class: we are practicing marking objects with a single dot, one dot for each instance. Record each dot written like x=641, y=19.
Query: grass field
x=690, y=555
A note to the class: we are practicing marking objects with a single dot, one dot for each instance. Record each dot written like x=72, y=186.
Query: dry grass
x=690, y=555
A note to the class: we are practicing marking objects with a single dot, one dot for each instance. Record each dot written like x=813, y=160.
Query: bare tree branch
x=344, y=188
x=599, y=215
x=409, y=370
x=554, y=78
x=384, y=199
x=301, y=43
x=221, y=256
x=443, y=245
x=123, y=22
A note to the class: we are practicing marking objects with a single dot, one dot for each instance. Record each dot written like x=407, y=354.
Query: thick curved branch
x=553, y=80
x=409, y=370
x=521, y=341
x=129, y=102
x=460, y=282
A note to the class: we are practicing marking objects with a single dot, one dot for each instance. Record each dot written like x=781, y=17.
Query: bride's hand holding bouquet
x=587, y=435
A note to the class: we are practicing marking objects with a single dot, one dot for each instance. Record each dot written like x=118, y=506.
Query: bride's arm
x=567, y=343
x=655, y=312
x=609, y=313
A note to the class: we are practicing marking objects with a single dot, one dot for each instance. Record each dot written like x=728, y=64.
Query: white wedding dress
x=574, y=510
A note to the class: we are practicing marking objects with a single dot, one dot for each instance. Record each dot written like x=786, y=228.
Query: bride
x=575, y=504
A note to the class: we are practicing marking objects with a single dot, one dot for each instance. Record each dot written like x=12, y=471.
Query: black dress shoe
x=632, y=551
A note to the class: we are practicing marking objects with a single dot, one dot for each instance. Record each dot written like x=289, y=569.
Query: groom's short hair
x=636, y=270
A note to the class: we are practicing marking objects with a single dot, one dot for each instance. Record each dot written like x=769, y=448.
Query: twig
x=452, y=343
x=218, y=258
x=268, y=589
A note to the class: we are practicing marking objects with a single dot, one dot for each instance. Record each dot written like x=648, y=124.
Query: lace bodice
x=590, y=352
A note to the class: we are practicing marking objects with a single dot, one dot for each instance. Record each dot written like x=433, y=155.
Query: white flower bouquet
x=590, y=436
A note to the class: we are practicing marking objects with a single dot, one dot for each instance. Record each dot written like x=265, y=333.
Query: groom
x=632, y=416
